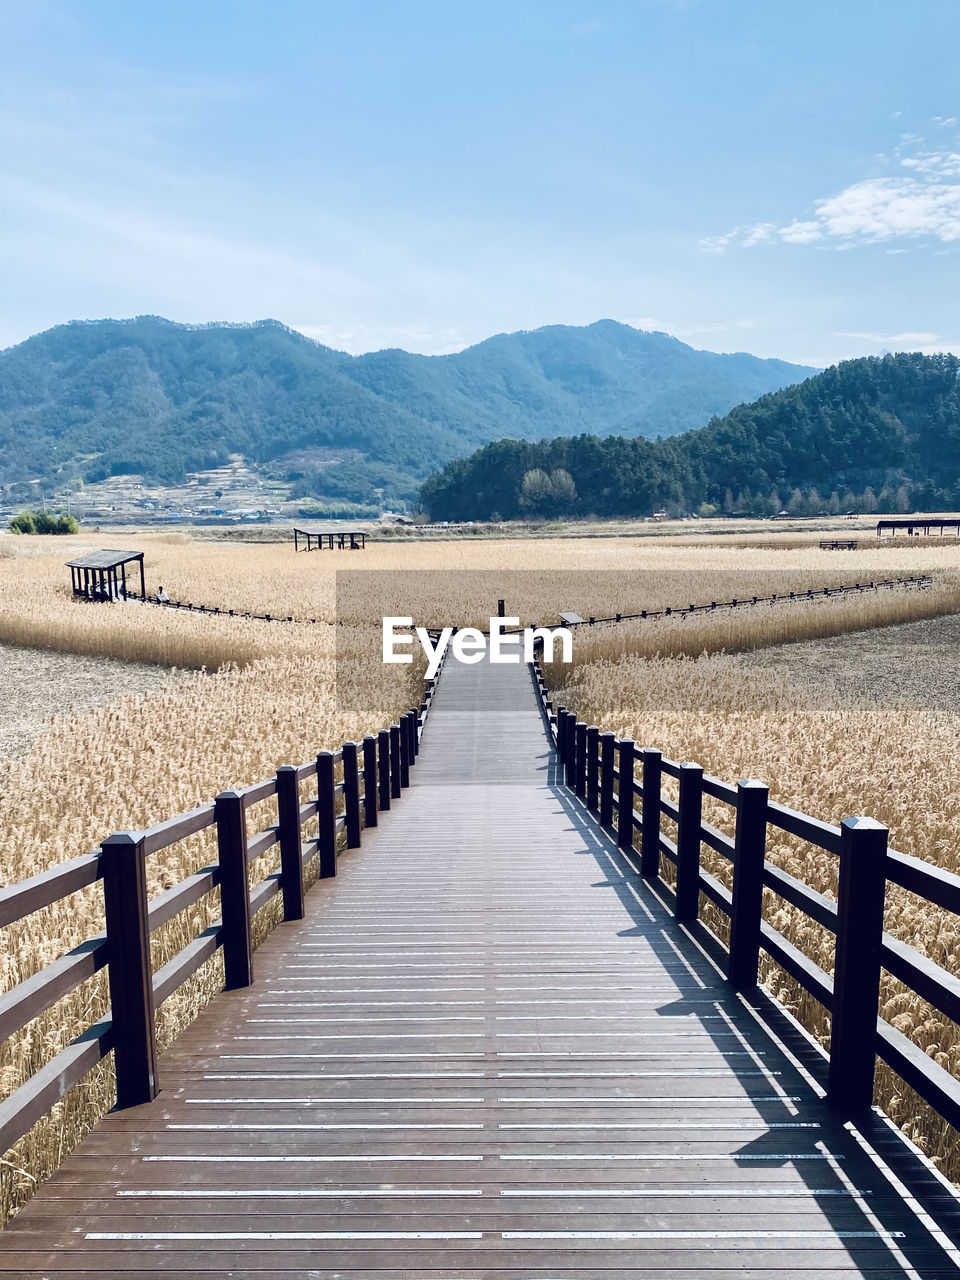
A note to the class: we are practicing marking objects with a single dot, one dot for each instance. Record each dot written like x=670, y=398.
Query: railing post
x=404, y=732
x=130, y=972
x=291, y=847
x=413, y=716
x=231, y=822
x=327, y=815
x=687, y=902
x=747, y=911
x=607, y=742
x=570, y=749
x=383, y=768
x=351, y=795
x=593, y=768
x=369, y=781
x=856, y=974
x=396, y=781
x=650, y=814
x=625, y=795
x=561, y=716
x=580, y=747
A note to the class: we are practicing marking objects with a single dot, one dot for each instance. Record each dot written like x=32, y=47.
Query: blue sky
x=747, y=174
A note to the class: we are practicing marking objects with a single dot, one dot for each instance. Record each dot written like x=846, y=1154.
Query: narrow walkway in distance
x=488, y=1052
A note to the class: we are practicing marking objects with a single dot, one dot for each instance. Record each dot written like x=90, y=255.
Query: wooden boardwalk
x=487, y=1052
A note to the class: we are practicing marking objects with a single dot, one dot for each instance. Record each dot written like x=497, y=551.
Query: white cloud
x=927, y=343
x=800, y=232
x=687, y=329
x=919, y=202
x=893, y=339
x=411, y=337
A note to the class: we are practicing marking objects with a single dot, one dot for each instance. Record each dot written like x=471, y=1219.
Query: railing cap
x=123, y=838
x=863, y=824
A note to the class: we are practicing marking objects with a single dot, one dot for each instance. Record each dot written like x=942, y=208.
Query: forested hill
x=880, y=433
x=147, y=395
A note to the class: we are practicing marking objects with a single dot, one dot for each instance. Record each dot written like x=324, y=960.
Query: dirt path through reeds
x=917, y=663
x=37, y=684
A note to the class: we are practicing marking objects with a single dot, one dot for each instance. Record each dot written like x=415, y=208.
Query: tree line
x=874, y=434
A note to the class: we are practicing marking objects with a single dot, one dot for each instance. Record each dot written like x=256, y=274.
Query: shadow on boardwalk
x=851, y=1168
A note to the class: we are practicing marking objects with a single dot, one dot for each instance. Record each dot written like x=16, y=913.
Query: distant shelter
x=331, y=539
x=925, y=526
x=102, y=575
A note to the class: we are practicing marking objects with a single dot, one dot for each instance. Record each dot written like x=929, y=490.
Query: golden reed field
x=254, y=695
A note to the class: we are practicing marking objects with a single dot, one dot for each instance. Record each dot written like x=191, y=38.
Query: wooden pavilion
x=333, y=539
x=102, y=575
x=924, y=526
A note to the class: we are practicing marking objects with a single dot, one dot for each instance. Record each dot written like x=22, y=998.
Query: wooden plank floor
x=488, y=1052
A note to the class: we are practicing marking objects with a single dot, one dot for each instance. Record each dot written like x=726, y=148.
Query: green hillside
x=881, y=433
x=100, y=398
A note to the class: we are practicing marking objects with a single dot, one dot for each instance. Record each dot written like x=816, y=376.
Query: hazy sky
x=746, y=174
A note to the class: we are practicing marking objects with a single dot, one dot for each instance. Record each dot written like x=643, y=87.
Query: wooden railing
x=217, y=610
x=670, y=611
x=611, y=777
x=919, y=580
x=373, y=773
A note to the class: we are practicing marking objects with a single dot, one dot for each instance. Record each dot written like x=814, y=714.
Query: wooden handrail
x=861, y=1037
x=135, y=1036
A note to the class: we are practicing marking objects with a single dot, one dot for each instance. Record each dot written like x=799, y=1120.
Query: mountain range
x=148, y=396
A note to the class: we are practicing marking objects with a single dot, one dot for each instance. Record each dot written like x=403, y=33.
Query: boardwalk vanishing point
x=488, y=1052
